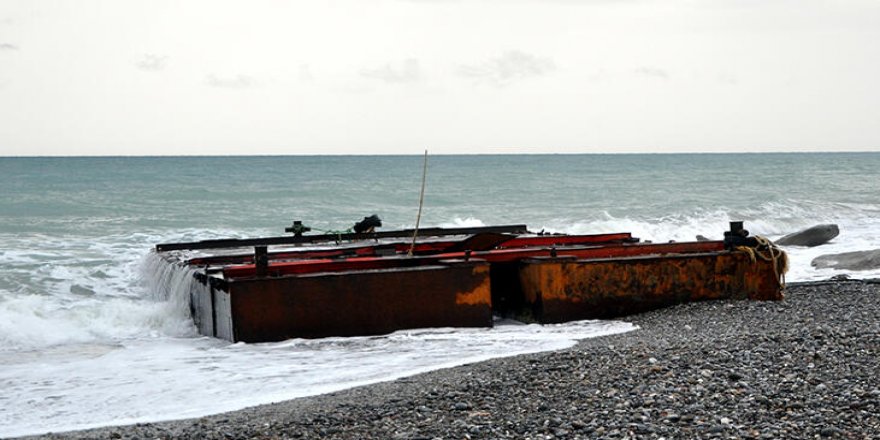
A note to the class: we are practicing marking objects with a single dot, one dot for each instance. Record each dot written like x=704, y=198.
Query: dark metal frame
x=269, y=241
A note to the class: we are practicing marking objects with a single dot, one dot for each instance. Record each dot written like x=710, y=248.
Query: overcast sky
x=122, y=77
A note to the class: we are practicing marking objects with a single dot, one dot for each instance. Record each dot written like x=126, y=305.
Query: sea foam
x=93, y=331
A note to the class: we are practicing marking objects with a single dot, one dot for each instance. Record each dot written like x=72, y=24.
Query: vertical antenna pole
x=421, y=203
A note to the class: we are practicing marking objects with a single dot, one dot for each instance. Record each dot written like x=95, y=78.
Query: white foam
x=85, y=341
x=458, y=222
x=89, y=385
x=80, y=291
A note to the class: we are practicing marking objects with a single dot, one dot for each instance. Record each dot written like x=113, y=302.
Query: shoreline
x=802, y=367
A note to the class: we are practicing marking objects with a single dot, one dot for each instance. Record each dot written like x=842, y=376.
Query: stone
x=814, y=236
x=672, y=417
x=858, y=260
x=827, y=432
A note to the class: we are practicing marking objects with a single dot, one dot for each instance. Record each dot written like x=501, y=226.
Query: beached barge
x=458, y=277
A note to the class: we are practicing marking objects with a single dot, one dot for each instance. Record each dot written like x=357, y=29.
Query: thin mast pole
x=421, y=203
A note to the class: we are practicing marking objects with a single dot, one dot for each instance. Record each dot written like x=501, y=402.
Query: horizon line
x=421, y=153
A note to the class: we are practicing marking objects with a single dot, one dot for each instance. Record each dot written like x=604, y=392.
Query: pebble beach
x=805, y=367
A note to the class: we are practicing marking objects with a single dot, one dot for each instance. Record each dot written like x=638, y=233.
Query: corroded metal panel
x=360, y=303
x=201, y=306
x=223, y=319
x=740, y=277
x=558, y=290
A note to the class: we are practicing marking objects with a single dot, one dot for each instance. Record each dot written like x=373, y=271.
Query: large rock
x=819, y=234
x=859, y=260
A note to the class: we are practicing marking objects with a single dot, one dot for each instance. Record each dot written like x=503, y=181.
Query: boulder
x=859, y=260
x=819, y=234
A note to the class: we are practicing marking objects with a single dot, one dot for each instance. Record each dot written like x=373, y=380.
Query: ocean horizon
x=87, y=338
x=422, y=152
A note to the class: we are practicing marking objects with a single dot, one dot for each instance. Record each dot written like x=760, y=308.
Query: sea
x=92, y=334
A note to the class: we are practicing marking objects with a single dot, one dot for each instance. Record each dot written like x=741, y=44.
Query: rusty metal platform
x=377, y=288
x=565, y=288
x=367, y=302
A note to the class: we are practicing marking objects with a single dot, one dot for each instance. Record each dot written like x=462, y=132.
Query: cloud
x=408, y=72
x=728, y=78
x=541, y=2
x=652, y=72
x=7, y=46
x=152, y=63
x=510, y=66
x=599, y=75
x=235, y=82
x=305, y=73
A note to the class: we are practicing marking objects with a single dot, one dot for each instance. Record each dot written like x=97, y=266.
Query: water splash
x=168, y=281
x=142, y=381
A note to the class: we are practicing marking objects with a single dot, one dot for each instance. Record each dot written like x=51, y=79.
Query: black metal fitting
x=737, y=236
x=298, y=228
x=367, y=225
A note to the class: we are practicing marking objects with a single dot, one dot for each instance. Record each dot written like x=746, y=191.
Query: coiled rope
x=768, y=251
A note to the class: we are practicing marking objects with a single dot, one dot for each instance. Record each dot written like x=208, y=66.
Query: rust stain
x=552, y=281
x=564, y=290
x=481, y=294
x=359, y=303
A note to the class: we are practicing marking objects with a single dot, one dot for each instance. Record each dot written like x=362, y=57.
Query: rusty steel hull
x=354, y=295
x=369, y=302
x=565, y=289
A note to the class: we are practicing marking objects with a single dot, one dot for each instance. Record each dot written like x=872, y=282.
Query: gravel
x=805, y=367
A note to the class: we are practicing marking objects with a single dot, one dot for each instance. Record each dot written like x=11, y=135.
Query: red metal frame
x=301, y=267
x=420, y=248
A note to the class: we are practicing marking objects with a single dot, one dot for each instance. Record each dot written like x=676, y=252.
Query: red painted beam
x=493, y=256
x=420, y=248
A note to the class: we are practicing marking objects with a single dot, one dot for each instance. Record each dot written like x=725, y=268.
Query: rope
x=337, y=232
x=421, y=203
x=768, y=251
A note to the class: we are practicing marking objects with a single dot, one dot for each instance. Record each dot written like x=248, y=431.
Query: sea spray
x=86, y=340
x=168, y=280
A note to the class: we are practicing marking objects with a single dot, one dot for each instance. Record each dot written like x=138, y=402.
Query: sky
x=220, y=77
